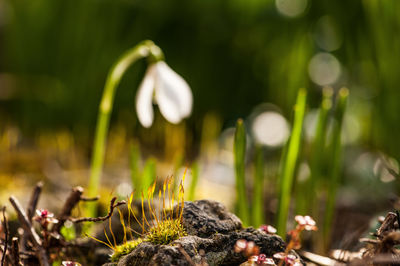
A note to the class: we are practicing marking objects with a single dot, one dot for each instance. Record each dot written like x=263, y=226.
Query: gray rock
x=205, y=217
x=212, y=229
x=218, y=249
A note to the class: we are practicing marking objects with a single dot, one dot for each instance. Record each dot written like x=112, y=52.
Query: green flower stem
x=239, y=154
x=335, y=169
x=258, y=187
x=143, y=49
x=290, y=161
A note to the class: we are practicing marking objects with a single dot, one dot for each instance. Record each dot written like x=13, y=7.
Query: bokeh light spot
x=327, y=34
x=270, y=129
x=291, y=8
x=324, y=69
x=385, y=168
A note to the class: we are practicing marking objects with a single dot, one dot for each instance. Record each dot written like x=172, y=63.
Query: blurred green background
x=234, y=54
x=237, y=54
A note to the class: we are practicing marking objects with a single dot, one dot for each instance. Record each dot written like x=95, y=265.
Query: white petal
x=173, y=94
x=144, y=98
x=168, y=103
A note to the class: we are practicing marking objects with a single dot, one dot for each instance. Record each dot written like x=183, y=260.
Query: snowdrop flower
x=169, y=90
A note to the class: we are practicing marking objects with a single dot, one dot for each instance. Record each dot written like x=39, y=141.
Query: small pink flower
x=269, y=261
x=268, y=229
x=289, y=259
x=279, y=255
x=306, y=222
x=44, y=217
x=249, y=248
x=70, y=263
x=261, y=260
x=253, y=258
x=240, y=245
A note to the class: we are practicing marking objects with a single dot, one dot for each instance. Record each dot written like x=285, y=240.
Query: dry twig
x=26, y=224
x=100, y=219
x=72, y=200
x=15, y=251
x=388, y=225
x=187, y=257
x=33, y=201
x=5, y=226
x=89, y=199
x=32, y=205
x=320, y=260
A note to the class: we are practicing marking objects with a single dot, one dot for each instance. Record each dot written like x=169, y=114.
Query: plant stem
x=258, y=187
x=336, y=149
x=239, y=147
x=193, y=182
x=143, y=49
x=290, y=161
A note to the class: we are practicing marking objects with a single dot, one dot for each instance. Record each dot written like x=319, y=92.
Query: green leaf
x=290, y=160
x=239, y=154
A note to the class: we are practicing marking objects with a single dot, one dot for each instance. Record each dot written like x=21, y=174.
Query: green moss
x=166, y=232
x=165, y=228
x=161, y=234
x=125, y=249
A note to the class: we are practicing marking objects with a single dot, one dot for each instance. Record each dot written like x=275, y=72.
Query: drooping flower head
x=168, y=89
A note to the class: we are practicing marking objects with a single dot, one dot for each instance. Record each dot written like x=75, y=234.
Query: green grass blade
x=318, y=147
x=193, y=182
x=301, y=199
x=134, y=160
x=335, y=169
x=149, y=174
x=239, y=147
x=178, y=164
x=258, y=187
x=290, y=161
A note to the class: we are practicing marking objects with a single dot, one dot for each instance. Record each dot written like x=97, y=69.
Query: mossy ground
x=125, y=249
x=166, y=232
x=165, y=226
x=161, y=234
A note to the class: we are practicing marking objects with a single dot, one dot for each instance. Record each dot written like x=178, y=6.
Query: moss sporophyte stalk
x=159, y=226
